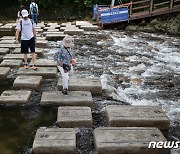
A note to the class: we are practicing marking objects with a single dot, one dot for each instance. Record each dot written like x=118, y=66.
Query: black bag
x=66, y=67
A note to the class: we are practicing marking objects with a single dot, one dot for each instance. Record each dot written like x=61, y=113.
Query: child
x=65, y=61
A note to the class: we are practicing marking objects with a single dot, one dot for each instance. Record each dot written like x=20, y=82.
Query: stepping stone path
x=130, y=128
x=74, y=98
x=55, y=141
x=15, y=97
x=137, y=116
x=131, y=140
x=71, y=116
x=27, y=82
x=86, y=84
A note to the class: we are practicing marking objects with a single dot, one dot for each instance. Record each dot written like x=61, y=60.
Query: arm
x=57, y=58
x=17, y=35
x=34, y=32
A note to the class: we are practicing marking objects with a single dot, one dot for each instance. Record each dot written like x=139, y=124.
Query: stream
x=135, y=68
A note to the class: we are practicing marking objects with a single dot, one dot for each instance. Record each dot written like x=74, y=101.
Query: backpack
x=34, y=9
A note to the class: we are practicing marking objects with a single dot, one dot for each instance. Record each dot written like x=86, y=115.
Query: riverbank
x=167, y=24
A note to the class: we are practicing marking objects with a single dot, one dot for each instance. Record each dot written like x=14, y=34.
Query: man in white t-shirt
x=34, y=11
x=28, y=37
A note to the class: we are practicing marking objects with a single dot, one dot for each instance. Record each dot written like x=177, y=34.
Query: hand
x=73, y=62
x=17, y=42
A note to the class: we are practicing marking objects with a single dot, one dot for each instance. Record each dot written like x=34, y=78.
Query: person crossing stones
x=28, y=38
x=65, y=61
x=34, y=11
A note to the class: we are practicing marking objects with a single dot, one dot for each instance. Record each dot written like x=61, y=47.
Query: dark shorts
x=26, y=44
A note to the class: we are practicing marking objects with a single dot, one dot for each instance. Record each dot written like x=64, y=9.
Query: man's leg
x=24, y=50
x=33, y=58
x=32, y=17
x=25, y=58
x=36, y=19
x=32, y=48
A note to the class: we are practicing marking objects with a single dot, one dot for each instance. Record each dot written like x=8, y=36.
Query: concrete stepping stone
x=83, y=84
x=74, y=98
x=54, y=37
x=71, y=31
x=12, y=63
x=52, y=30
x=137, y=116
x=39, y=51
x=54, y=141
x=54, y=33
x=7, y=41
x=7, y=38
x=66, y=24
x=7, y=28
x=89, y=27
x=10, y=46
x=4, y=51
x=17, y=56
x=41, y=43
x=45, y=63
x=70, y=116
x=45, y=72
x=15, y=97
x=127, y=140
x=80, y=23
x=27, y=82
x=4, y=71
x=62, y=29
x=39, y=30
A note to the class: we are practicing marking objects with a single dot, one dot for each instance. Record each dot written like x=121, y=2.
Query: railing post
x=151, y=6
x=130, y=11
x=171, y=4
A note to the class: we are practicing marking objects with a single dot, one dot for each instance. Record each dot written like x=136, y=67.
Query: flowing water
x=134, y=68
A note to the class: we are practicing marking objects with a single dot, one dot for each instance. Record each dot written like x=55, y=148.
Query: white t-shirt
x=27, y=29
x=31, y=7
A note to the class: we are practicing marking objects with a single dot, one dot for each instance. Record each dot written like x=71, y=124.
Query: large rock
x=45, y=72
x=74, y=98
x=70, y=116
x=15, y=97
x=54, y=141
x=127, y=140
x=137, y=116
x=83, y=84
x=27, y=82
